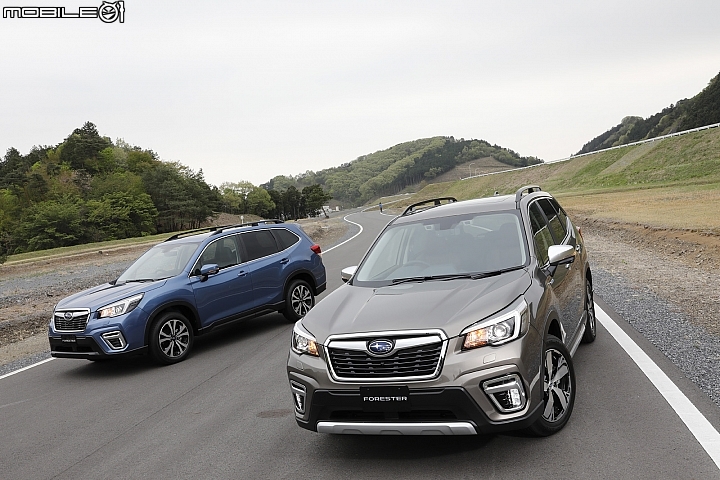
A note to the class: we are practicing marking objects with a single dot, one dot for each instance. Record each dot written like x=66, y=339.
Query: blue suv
x=188, y=285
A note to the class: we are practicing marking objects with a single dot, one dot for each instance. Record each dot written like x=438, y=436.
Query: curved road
x=226, y=412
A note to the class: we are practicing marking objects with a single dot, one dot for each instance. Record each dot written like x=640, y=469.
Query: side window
x=556, y=226
x=561, y=213
x=285, y=238
x=258, y=244
x=223, y=252
x=541, y=233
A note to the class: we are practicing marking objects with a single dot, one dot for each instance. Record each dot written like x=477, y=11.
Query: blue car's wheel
x=171, y=338
x=298, y=300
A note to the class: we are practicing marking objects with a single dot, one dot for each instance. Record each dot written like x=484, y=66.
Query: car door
x=265, y=265
x=548, y=230
x=227, y=293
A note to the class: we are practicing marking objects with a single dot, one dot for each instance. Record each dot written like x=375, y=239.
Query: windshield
x=445, y=247
x=161, y=261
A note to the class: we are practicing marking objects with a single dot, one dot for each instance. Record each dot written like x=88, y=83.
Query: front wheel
x=590, y=322
x=171, y=338
x=558, y=389
x=298, y=300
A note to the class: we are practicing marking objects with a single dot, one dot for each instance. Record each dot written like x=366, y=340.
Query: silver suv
x=462, y=318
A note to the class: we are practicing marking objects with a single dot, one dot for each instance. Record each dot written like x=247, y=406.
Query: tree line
x=703, y=109
x=89, y=189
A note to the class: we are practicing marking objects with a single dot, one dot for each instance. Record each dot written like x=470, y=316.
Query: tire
x=298, y=300
x=590, y=320
x=171, y=338
x=558, y=389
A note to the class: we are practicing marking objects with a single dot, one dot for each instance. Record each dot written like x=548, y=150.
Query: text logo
x=108, y=12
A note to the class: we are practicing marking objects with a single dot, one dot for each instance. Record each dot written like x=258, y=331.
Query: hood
x=449, y=305
x=101, y=295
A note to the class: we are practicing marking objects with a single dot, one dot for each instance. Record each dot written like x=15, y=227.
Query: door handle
x=241, y=273
x=284, y=261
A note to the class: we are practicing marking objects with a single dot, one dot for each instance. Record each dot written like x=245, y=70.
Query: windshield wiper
x=140, y=280
x=494, y=273
x=454, y=276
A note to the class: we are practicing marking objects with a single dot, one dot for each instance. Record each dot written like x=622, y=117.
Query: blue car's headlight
x=122, y=307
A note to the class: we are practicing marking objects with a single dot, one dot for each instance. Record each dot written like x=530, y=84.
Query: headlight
x=499, y=329
x=122, y=307
x=303, y=341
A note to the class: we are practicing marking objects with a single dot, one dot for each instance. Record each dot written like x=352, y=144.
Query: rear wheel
x=590, y=322
x=558, y=389
x=171, y=338
x=298, y=301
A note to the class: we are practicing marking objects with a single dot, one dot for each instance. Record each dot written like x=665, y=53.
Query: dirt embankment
x=680, y=266
x=29, y=290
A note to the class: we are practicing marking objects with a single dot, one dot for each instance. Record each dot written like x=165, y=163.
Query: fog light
x=114, y=340
x=507, y=393
x=298, y=392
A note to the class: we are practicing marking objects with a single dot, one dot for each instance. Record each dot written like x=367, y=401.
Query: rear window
x=285, y=238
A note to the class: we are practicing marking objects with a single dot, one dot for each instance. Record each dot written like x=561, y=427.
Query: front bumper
x=435, y=411
x=456, y=402
x=84, y=347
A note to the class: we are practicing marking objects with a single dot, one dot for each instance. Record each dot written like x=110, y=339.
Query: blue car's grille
x=409, y=362
x=71, y=320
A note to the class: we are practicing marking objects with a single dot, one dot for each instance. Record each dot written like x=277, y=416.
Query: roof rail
x=530, y=189
x=192, y=232
x=247, y=224
x=435, y=202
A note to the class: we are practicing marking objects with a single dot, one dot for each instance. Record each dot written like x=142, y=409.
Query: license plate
x=68, y=338
x=385, y=399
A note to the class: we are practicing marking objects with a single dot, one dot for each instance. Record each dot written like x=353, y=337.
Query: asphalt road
x=226, y=412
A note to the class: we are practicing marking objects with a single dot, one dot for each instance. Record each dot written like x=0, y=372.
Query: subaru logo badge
x=380, y=347
x=68, y=316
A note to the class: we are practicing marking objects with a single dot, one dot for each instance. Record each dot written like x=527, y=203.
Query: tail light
x=316, y=248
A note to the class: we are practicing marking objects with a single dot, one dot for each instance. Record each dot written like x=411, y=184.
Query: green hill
x=388, y=172
x=703, y=109
x=674, y=182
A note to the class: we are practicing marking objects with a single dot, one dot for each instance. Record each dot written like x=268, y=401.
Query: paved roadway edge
x=699, y=426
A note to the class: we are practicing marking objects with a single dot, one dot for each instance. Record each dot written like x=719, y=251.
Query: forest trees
x=89, y=189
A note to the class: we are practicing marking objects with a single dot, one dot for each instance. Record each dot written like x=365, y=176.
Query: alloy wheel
x=174, y=338
x=557, y=385
x=301, y=300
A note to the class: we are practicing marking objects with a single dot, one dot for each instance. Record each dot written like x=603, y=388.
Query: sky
x=246, y=90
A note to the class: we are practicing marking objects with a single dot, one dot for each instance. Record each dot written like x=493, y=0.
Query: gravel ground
x=690, y=347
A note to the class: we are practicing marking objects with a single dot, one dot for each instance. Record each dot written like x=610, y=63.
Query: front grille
x=419, y=361
x=75, y=323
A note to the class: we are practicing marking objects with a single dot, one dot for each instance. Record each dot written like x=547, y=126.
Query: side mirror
x=561, y=255
x=347, y=273
x=207, y=270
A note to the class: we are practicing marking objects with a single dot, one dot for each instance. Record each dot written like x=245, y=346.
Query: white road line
x=698, y=425
x=343, y=243
x=26, y=368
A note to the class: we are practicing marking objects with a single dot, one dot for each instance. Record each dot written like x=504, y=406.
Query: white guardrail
x=714, y=125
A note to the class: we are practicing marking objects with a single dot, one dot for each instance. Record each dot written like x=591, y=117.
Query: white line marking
x=26, y=368
x=343, y=243
x=698, y=425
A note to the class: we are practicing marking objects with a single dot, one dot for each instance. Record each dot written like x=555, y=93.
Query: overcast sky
x=250, y=90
